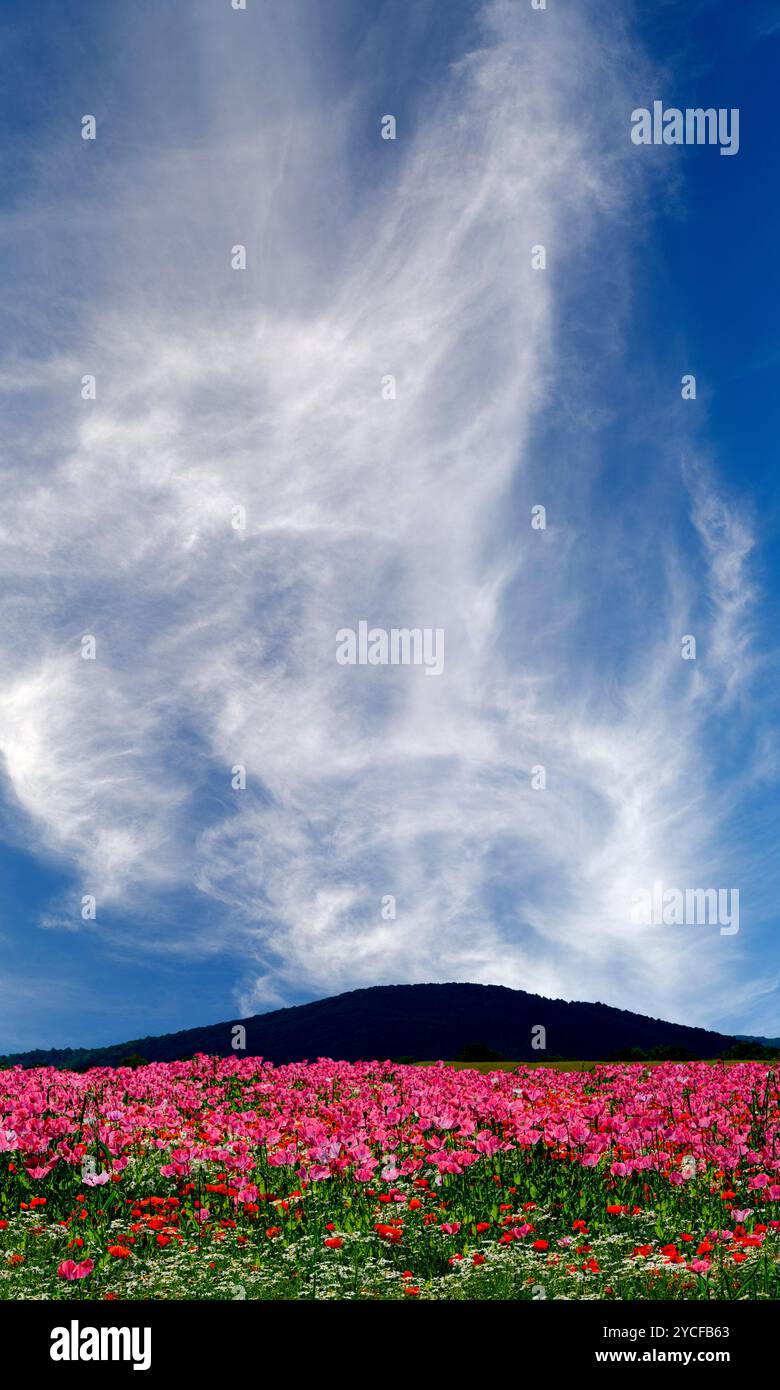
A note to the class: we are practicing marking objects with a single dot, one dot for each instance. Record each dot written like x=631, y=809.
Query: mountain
x=424, y=1022
x=752, y=1037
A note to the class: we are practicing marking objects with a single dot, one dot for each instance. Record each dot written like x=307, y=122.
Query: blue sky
x=262, y=389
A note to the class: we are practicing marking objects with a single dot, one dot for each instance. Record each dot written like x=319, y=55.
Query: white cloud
x=215, y=647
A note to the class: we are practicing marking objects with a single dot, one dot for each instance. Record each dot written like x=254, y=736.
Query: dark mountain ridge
x=425, y=1022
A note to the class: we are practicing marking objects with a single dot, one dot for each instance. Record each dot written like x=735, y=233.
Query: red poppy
x=393, y=1234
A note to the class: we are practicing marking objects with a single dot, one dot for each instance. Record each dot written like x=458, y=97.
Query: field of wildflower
x=230, y=1179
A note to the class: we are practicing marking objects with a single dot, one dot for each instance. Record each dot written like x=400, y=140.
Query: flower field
x=230, y=1178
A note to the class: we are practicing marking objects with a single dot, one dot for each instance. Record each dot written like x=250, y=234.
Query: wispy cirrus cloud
x=261, y=389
